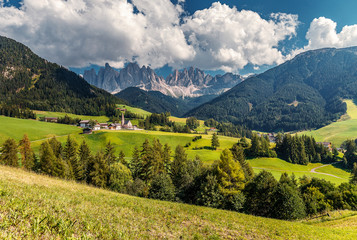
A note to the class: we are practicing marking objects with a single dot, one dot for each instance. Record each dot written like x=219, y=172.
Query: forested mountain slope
x=29, y=81
x=157, y=102
x=305, y=92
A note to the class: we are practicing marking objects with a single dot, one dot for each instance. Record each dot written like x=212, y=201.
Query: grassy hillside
x=61, y=114
x=277, y=166
x=138, y=111
x=34, y=206
x=16, y=128
x=124, y=140
x=337, y=132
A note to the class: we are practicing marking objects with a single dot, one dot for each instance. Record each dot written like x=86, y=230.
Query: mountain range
x=190, y=82
x=305, y=92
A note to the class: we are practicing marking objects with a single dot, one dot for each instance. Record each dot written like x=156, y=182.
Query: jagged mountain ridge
x=186, y=83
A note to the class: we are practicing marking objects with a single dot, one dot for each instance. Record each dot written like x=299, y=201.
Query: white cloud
x=229, y=39
x=78, y=32
x=322, y=33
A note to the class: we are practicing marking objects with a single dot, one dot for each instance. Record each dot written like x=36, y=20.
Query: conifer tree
x=238, y=155
x=146, y=159
x=27, y=153
x=135, y=164
x=214, y=141
x=167, y=158
x=110, y=154
x=9, y=153
x=158, y=158
x=230, y=175
x=122, y=159
x=100, y=172
x=47, y=158
x=255, y=146
x=70, y=156
x=353, y=179
x=56, y=147
x=177, y=166
x=84, y=155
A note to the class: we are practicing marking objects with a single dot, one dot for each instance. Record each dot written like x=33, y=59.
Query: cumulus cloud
x=322, y=33
x=78, y=32
x=229, y=39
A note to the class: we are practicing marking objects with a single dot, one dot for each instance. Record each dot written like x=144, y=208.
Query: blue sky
x=215, y=36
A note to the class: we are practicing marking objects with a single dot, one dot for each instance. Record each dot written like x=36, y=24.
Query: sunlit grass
x=38, y=207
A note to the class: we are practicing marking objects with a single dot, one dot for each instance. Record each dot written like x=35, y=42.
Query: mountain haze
x=186, y=83
x=305, y=92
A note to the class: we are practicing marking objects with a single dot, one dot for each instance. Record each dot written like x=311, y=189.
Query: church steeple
x=122, y=119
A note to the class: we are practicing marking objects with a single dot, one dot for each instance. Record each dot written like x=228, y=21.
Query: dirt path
x=311, y=171
x=328, y=174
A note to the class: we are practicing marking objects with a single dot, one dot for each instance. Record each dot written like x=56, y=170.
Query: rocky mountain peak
x=189, y=82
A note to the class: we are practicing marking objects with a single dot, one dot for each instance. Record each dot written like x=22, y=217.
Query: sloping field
x=16, y=128
x=277, y=166
x=337, y=132
x=38, y=207
x=100, y=119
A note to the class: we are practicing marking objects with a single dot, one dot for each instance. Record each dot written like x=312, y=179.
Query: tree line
x=16, y=112
x=291, y=148
x=229, y=183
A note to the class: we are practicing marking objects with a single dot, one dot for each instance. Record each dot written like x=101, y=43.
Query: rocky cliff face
x=187, y=83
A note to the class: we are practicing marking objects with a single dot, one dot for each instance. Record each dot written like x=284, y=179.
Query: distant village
x=89, y=127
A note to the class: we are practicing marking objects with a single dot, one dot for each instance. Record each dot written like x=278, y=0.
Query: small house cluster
x=124, y=125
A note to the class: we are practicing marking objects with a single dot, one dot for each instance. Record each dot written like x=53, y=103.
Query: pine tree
x=100, y=172
x=146, y=159
x=135, y=164
x=27, y=153
x=214, y=141
x=353, y=179
x=110, y=154
x=177, y=166
x=47, y=158
x=122, y=159
x=9, y=153
x=70, y=156
x=230, y=174
x=84, y=155
x=56, y=147
x=158, y=158
x=167, y=158
x=238, y=155
x=255, y=147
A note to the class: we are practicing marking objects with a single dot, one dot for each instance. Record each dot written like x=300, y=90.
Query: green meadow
x=39, y=207
x=15, y=128
x=101, y=119
x=338, y=132
x=277, y=166
x=126, y=141
x=135, y=110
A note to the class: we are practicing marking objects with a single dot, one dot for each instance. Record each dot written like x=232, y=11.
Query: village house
x=84, y=124
x=114, y=126
x=96, y=127
x=103, y=125
x=51, y=119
